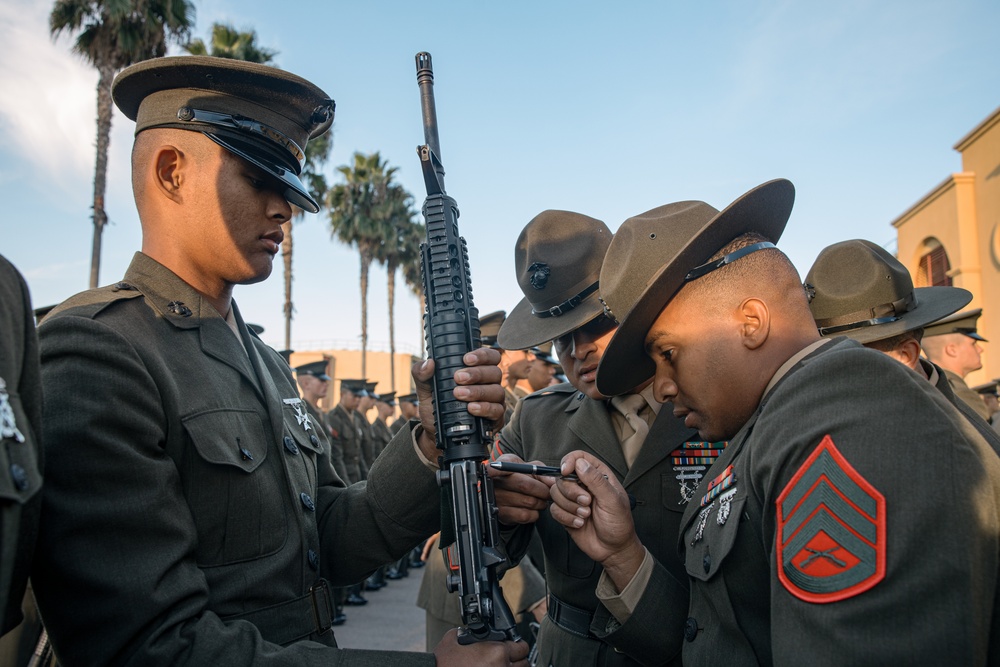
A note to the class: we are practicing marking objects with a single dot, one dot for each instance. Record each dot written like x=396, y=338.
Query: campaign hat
x=489, y=327
x=963, y=323
x=557, y=261
x=857, y=289
x=258, y=112
x=654, y=254
x=315, y=368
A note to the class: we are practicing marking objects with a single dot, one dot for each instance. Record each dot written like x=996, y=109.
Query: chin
x=255, y=274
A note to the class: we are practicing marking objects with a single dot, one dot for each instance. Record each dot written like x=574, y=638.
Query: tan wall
x=963, y=215
x=346, y=365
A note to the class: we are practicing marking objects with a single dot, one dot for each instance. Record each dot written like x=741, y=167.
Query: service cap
x=963, y=323
x=260, y=113
x=315, y=368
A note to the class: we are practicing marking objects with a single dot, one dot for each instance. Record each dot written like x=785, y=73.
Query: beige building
x=346, y=365
x=952, y=236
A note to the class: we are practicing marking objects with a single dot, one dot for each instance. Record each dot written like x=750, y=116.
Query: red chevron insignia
x=830, y=529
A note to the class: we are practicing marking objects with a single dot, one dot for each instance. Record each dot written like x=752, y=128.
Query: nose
x=583, y=345
x=278, y=208
x=664, y=387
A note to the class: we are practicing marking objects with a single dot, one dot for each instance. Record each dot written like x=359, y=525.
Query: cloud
x=48, y=106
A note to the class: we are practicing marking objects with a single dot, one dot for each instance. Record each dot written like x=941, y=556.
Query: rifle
x=451, y=323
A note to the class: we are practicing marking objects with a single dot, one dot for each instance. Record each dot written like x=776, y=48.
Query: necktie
x=630, y=405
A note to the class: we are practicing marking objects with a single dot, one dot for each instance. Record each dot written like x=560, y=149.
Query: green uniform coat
x=185, y=495
x=963, y=393
x=345, y=436
x=800, y=599
x=546, y=426
x=20, y=442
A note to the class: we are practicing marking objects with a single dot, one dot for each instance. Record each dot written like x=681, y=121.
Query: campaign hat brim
x=764, y=210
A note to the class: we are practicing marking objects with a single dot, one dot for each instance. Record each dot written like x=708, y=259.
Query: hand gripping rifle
x=468, y=508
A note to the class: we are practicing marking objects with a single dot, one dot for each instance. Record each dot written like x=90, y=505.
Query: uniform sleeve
x=880, y=525
x=645, y=635
x=116, y=577
x=401, y=508
x=508, y=441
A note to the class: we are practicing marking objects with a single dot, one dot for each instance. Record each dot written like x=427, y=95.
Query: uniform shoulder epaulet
x=92, y=302
x=556, y=389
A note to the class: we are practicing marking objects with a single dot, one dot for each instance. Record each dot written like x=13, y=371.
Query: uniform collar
x=167, y=293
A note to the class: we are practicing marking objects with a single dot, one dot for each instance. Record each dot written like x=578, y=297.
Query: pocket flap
x=229, y=437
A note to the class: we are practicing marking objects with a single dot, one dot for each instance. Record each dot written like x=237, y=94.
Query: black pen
x=531, y=469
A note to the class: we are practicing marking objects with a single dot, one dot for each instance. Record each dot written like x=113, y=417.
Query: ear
x=170, y=172
x=907, y=353
x=755, y=323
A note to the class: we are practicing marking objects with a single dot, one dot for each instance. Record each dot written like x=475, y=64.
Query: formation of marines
x=756, y=469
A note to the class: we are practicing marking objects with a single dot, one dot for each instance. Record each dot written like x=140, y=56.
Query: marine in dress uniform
x=407, y=410
x=365, y=426
x=385, y=404
x=558, y=263
x=991, y=398
x=953, y=345
x=829, y=526
x=21, y=455
x=345, y=434
x=189, y=517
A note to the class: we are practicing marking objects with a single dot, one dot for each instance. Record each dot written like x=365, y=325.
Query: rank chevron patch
x=830, y=529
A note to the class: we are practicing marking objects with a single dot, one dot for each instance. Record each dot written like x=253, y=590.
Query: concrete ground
x=390, y=621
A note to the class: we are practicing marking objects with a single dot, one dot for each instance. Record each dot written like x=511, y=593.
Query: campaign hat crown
x=857, y=289
x=651, y=257
x=963, y=323
x=260, y=113
x=315, y=368
x=557, y=261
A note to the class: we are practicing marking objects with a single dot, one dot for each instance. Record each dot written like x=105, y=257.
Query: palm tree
x=317, y=153
x=113, y=34
x=360, y=212
x=410, y=264
x=228, y=42
x=390, y=253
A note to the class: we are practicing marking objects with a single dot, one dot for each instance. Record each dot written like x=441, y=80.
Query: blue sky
x=606, y=109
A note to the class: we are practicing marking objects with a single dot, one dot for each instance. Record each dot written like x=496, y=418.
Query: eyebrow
x=648, y=348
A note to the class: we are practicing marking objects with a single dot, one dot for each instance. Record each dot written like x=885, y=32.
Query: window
x=934, y=267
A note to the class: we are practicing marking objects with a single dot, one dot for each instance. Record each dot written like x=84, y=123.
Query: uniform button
x=706, y=563
x=245, y=453
x=314, y=440
x=307, y=502
x=19, y=476
x=690, y=629
x=313, y=559
x=290, y=445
